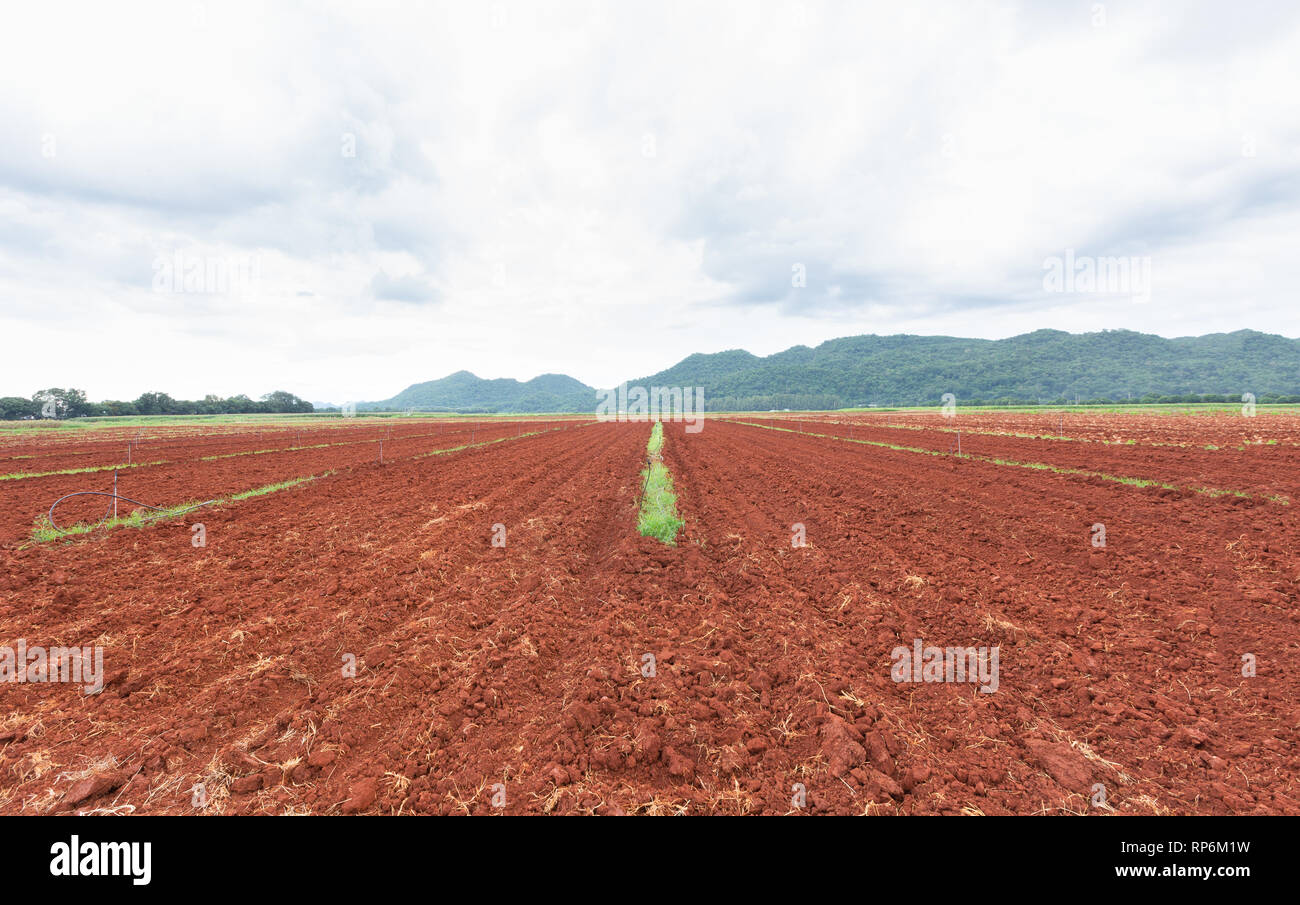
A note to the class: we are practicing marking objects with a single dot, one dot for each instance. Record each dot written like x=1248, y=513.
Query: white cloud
x=602, y=189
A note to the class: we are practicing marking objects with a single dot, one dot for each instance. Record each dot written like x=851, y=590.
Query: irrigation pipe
x=115, y=497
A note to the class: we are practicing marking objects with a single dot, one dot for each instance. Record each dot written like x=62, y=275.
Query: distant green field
x=1163, y=408
x=1169, y=408
x=143, y=421
x=100, y=423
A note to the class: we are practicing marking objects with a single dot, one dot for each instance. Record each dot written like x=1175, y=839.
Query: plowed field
x=483, y=630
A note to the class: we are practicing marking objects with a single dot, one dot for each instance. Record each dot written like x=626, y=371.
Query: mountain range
x=466, y=392
x=904, y=369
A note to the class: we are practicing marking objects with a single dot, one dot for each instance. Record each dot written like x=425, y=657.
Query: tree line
x=57, y=402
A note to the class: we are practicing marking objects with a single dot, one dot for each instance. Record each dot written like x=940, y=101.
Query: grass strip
x=43, y=531
x=18, y=476
x=658, y=517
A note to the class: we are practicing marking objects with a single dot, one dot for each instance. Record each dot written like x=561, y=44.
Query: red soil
x=183, y=476
x=42, y=451
x=1250, y=467
x=523, y=665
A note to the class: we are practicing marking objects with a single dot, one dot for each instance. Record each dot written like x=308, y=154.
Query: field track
x=529, y=665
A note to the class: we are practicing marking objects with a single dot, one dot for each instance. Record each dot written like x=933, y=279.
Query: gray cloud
x=402, y=289
x=601, y=190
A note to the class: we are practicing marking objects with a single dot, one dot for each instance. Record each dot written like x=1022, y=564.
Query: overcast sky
x=342, y=200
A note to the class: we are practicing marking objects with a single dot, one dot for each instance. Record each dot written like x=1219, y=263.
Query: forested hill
x=466, y=392
x=1043, y=366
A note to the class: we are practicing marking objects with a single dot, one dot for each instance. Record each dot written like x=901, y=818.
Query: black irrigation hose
x=115, y=497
